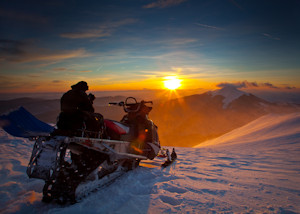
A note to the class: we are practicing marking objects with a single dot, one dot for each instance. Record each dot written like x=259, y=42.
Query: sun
x=172, y=82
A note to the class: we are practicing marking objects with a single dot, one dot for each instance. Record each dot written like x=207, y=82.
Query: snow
x=230, y=93
x=269, y=130
x=254, y=169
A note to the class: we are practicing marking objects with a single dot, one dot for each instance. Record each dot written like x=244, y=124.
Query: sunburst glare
x=172, y=82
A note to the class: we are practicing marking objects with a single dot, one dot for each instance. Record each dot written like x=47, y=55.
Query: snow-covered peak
x=230, y=93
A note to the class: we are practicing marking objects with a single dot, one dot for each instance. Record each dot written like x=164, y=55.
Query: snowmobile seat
x=119, y=131
x=117, y=127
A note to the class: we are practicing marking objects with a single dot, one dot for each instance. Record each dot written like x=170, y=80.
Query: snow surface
x=270, y=130
x=254, y=169
x=230, y=93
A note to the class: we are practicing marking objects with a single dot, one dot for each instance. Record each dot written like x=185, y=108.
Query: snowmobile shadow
x=170, y=169
x=130, y=193
x=133, y=192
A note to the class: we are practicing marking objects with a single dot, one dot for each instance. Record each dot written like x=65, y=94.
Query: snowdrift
x=254, y=169
x=267, y=131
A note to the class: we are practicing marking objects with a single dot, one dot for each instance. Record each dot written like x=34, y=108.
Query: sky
x=46, y=46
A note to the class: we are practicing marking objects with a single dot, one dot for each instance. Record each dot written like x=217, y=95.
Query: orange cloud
x=95, y=33
x=86, y=71
x=34, y=55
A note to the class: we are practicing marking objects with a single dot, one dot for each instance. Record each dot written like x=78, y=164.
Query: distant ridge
x=185, y=121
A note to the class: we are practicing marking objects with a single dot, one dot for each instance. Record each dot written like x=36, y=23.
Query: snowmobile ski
x=167, y=163
x=170, y=158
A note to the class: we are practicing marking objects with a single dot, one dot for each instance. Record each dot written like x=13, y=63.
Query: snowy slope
x=258, y=174
x=271, y=130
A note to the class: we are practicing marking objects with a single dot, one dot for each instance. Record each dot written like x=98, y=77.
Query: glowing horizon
x=140, y=46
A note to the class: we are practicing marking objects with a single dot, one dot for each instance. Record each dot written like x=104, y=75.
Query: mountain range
x=184, y=121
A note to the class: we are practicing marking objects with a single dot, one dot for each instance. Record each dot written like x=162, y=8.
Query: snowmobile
x=75, y=162
x=65, y=162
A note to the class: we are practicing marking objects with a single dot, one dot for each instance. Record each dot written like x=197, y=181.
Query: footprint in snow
x=170, y=200
x=175, y=189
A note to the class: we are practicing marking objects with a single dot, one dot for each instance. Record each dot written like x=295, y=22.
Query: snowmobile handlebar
x=117, y=104
x=130, y=107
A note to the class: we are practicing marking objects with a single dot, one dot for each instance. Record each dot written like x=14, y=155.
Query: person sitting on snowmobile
x=77, y=110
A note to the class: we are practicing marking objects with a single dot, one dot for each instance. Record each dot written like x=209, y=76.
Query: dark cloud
x=222, y=85
x=236, y=4
x=290, y=88
x=164, y=3
x=11, y=47
x=269, y=85
x=22, y=16
x=23, y=52
x=56, y=81
x=246, y=84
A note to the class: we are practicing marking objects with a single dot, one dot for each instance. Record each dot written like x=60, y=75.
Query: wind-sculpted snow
x=268, y=131
x=258, y=175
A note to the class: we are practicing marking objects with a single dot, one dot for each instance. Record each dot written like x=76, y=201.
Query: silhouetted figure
x=77, y=111
x=76, y=99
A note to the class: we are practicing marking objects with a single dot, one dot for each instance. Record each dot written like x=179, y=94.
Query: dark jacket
x=75, y=100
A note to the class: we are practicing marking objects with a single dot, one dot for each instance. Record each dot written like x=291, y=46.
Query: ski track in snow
x=261, y=175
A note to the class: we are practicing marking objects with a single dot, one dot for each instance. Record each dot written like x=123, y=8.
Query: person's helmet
x=82, y=85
